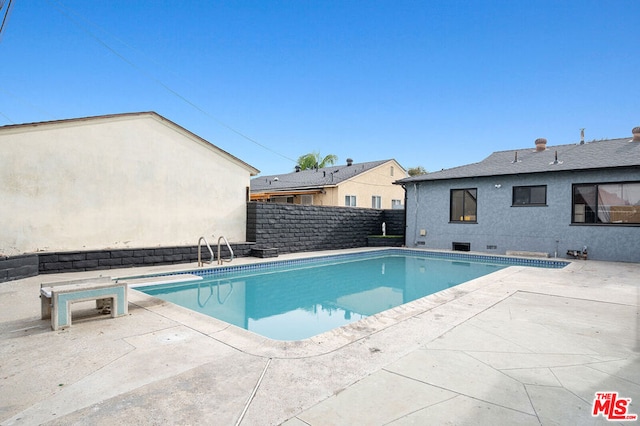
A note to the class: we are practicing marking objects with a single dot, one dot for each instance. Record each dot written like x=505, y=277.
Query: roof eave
x=574, y=170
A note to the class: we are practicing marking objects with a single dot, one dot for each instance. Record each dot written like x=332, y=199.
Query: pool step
x=264, y=252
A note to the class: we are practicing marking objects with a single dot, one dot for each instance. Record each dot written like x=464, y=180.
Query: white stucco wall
x=130, y=180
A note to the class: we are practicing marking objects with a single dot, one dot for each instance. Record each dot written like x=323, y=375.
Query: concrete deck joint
x=521, y=346
x=253, y=393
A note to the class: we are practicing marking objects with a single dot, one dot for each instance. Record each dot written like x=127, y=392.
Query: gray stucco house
x=539, y=199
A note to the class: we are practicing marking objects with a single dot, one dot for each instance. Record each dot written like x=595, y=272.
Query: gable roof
x=604, y=154
x=130, y=115
x=312, y=179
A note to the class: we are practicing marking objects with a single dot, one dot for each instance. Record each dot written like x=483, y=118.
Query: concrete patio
x=523, y=345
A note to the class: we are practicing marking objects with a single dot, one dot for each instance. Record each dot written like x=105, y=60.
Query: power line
x=7, y=118
x=26, y=102
x=63, y=9
x=5, y=18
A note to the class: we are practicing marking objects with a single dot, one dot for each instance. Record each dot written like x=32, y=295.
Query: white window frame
x=350, y=201
x=376, y=202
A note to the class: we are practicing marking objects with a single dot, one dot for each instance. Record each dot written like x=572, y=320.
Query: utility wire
x=7, y=118
x=5, y=18
x=64, y=10
x=26, y=102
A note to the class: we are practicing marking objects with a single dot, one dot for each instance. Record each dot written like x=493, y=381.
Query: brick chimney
x=541, y=144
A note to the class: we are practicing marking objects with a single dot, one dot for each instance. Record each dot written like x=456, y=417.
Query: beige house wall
x=123, y=181
x=377, y=181
x=328, y=198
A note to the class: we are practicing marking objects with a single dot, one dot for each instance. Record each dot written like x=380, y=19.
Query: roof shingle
x=307, y=179
x=604, y=154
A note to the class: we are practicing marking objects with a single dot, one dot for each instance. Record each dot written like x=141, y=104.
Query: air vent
x=461, y=246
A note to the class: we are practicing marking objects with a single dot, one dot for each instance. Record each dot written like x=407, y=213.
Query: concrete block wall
x=50, y=263
x=18, y=267
x=295, y=228
x=394, y=221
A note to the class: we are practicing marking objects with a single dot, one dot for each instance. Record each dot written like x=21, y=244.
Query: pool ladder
x=220, y=259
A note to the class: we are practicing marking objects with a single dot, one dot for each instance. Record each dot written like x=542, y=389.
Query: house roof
x=130, y=115
x=307, y=180
x=603, y=154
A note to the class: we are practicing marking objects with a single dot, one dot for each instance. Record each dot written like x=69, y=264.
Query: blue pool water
x=294, y=300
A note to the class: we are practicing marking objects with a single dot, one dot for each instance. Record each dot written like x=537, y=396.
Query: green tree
x=415, y=171
x=313, y=159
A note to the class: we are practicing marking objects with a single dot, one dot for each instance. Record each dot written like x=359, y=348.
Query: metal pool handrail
x=200, y=262
x=220, y=260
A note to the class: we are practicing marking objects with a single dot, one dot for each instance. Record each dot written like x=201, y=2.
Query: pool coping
x=427, y=253
x=332, y=340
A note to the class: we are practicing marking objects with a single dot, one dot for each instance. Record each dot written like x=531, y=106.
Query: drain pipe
x=415, y=223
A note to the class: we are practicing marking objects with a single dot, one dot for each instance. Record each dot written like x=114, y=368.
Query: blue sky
x=430, y=83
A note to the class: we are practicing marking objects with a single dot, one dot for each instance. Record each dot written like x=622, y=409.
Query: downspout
x=415, y=224
x=405, y=214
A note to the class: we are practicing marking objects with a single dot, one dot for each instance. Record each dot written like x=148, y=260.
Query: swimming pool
x=298, y=299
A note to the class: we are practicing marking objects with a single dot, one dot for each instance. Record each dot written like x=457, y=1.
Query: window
x=464, y=205
x=606, y=203
x=306, y=200
x=396, y=204
x=530, y=195
x=350, y=200
x=376, y=202
x=391, y=170
x=281, y=200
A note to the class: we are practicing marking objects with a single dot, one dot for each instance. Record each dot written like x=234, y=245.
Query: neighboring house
x=368, y=185
x=116, y=181
x=543, y=199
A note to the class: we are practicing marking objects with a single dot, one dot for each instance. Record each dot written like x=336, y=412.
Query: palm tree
x=313, y=160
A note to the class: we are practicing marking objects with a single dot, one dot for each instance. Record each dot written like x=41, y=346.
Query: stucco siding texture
x=502, y=227
x=116, y=182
